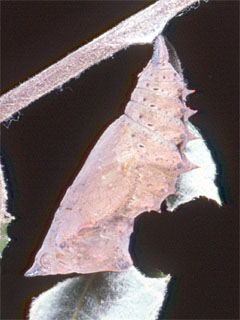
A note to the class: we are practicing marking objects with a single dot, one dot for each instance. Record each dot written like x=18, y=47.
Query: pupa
x=132, y=168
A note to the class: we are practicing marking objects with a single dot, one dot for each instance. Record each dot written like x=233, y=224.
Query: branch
x=141, y=28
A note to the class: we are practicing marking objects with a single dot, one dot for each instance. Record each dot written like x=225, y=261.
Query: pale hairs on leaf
x=102, y=296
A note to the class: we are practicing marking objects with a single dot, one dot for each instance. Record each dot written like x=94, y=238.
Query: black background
x=45, y=148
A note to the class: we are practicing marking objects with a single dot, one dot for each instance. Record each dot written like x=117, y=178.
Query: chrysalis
x=133, y=167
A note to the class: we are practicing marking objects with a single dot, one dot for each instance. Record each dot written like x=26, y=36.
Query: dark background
x=44, y=149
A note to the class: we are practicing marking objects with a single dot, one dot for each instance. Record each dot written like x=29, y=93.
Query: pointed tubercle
x=34, y=271
x=160, y=54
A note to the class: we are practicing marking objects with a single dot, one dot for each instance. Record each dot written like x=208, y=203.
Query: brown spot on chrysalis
x=183, y=136
x=180, y=165
x=63, y=245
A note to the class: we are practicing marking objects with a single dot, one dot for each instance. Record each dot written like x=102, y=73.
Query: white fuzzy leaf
x=200, y=181
x=106, y=296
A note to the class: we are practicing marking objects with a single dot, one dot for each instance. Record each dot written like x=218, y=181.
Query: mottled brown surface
x=132, y=168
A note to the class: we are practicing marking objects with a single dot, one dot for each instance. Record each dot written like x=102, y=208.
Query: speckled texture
x=133, y=167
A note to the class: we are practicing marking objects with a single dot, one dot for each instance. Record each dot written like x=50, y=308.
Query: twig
x=141, y=28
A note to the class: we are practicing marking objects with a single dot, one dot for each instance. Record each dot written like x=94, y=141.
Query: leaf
x=106, y=296
x=5, y=217
x=186, y=186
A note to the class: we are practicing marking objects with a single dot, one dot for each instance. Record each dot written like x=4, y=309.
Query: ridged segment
x=157, y=104
x=133, y=167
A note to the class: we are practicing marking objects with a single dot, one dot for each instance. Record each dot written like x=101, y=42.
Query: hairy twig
x=140, y=28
